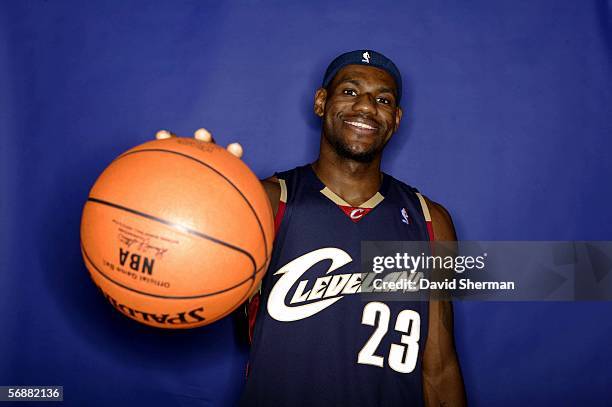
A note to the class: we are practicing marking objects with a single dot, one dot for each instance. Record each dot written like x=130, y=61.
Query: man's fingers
x=235, y=149
x=163, y=134
x=203, y=135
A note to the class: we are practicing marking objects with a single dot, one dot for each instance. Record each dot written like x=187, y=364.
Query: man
x=316, y=342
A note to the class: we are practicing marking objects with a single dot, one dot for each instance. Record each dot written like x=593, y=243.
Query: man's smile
x=363, y=125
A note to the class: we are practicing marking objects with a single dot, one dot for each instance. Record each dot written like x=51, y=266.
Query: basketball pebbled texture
x=177, y=233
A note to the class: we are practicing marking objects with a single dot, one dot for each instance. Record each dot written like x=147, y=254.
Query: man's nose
x=365, y=103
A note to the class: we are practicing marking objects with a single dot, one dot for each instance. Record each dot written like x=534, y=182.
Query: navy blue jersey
x=317, y=341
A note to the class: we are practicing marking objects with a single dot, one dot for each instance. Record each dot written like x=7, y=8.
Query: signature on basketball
x=142, y=245
x=200, y=145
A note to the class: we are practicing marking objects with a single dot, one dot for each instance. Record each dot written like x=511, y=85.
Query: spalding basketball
x=177, y=233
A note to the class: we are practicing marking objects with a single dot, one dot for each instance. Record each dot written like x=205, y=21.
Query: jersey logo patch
x=405, y=217
x=313, y=296
x=354, y=214
x=366, y=57
x=291, y=273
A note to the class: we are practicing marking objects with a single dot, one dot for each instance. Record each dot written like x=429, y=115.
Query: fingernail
x=203, y=135
x=235, y=149
x=162, y=134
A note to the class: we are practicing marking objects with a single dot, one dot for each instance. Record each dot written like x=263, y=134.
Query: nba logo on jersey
x=405, y=217
x=366, y=57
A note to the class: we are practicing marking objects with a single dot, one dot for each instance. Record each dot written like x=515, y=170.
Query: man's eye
x=383, y=101
x=349, y=92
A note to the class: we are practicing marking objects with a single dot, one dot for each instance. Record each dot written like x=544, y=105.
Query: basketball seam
x=222, y=176
x=187, y=297
x=174, y=226
x=184, y=229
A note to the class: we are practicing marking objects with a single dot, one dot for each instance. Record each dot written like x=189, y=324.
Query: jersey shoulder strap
x=289, y=182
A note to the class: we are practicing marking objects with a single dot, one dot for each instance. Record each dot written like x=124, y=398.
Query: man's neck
x=353, y=181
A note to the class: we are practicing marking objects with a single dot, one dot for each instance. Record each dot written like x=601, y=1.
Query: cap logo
x=365, y=57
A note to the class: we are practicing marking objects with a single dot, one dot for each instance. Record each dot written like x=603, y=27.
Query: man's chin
x=359, y=155
x=359, y=150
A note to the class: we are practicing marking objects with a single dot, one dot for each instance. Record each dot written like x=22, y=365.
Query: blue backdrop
x=507, y=123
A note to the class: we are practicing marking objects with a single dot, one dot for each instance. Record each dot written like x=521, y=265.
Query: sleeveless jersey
x=316, y=341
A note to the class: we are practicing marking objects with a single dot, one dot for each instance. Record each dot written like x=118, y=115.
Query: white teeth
x=361, y=125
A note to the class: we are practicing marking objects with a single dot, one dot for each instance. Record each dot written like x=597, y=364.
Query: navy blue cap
x=364, y=57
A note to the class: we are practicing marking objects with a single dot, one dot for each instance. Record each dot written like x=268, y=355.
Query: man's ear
x=398, y=118
x=319, y=101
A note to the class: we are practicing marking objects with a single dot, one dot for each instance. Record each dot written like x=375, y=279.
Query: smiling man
x=315, y=340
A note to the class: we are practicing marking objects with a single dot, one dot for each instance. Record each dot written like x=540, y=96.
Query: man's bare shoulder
x=273, y=190
x=442, y=221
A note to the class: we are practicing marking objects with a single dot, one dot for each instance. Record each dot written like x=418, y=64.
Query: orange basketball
x=177, y=233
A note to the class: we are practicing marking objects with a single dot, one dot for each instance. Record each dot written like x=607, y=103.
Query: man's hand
x=203, y=135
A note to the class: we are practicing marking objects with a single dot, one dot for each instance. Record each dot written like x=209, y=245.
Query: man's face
x=359, y=111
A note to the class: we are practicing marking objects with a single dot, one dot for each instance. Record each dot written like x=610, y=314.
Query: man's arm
x=244, y=318
x=442, y=381
x=273, y=190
